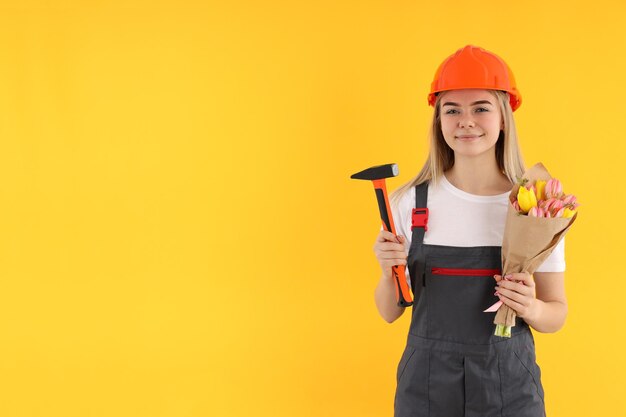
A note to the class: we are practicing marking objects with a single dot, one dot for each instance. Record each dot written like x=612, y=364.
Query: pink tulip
x=516, y=206
x=559, y=213
x=548, y=214
x=547, y=203
x=553, y=188
x=551, y=204
x=541, y=212
x=544, y=204
x=556, y=205
x=533, y=212
x=569, y=199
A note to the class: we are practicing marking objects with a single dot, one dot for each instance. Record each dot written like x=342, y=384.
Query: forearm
x=386, y=302
x=548, y=316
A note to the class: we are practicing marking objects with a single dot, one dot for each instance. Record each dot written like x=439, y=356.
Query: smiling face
x=470, y=121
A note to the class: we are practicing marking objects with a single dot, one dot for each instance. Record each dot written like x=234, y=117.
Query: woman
x=453, y=364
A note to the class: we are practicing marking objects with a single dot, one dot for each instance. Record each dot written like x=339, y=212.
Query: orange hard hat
x=474, y=67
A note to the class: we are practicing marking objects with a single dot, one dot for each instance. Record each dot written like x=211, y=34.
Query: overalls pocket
x=458, y=290
x=409, y=351
x=533, y=370
x=522, y=392
x=411, y=397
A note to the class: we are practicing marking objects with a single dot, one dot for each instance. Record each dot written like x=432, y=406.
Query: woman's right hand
x=390, y=250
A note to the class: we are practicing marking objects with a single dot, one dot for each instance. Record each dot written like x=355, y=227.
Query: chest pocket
x=457, y=292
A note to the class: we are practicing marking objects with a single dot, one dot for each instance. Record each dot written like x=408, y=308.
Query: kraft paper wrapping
x=528, y=241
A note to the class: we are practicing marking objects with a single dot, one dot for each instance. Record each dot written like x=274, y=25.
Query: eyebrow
x=449, y=103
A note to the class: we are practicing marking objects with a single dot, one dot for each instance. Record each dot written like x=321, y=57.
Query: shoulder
x=407, y=196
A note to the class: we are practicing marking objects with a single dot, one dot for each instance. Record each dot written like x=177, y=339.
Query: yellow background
x=179, y=233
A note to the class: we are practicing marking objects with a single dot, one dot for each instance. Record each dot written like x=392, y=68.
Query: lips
x=468, y=136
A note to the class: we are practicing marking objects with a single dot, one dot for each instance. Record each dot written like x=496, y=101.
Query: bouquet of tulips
x=545, y=199
x=538, y=217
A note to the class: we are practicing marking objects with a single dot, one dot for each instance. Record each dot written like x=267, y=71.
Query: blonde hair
x=441, y=156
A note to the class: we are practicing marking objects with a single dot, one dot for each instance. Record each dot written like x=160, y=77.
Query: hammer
x=377, y=175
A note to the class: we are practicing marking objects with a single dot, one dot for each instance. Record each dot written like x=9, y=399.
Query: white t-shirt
x=458, y=218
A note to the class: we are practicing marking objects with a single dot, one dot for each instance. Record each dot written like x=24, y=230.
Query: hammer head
x=377, y=172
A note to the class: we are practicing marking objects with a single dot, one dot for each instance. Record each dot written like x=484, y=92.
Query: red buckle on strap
x=420, y=218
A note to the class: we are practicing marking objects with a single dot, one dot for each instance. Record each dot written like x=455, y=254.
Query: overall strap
x=417, y=256
x=420, y=213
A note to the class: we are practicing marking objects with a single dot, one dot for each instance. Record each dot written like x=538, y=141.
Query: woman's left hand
x=517, y=290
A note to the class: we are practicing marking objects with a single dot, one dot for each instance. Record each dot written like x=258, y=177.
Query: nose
x=466, y=121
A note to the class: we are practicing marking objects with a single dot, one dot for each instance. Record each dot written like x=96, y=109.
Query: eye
x=479, y=110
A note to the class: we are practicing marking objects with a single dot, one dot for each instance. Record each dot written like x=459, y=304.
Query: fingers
x=388, y=246
x=389, y=241
x=384, y=253
x=512, y=295
x=516, y=291
x=390, y=250
x=392, y=254
x=389, y=259
x=513, y=286
x=385, y=235
x=523, y=278
x=522, y=305
x=511, y=303
x=389, y=262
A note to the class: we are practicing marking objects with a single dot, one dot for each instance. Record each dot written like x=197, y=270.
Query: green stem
x=502, y=330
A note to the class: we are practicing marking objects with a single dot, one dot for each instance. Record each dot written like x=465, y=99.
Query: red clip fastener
x=420, y=218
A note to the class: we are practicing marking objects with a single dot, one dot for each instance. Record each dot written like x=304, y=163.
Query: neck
x=478, y=175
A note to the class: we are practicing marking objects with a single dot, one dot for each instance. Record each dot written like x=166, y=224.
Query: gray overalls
x=453, y=365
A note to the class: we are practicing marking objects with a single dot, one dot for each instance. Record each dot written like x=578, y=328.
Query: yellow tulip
x=541, y=189
x=526, y=199
x=567, y=213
